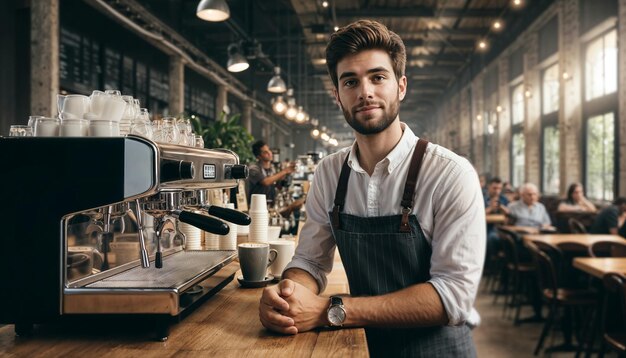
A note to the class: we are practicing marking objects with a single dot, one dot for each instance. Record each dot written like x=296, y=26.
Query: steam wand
x=145, y=259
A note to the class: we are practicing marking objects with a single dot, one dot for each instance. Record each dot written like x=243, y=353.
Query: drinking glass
x=46, y=127
x=17, y=130
x=169, y=131
x=199, y=141
x=31, y=120
x=113, y=92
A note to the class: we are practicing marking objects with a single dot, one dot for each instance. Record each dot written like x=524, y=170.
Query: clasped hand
x=290, y=307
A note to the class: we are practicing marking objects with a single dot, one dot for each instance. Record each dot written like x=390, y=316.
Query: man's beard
x=376, y=125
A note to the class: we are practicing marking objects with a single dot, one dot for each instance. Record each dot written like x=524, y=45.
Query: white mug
x=286, y=250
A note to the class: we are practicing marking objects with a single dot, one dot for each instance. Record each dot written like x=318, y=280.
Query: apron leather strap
x=340, y=194
x=411, y=182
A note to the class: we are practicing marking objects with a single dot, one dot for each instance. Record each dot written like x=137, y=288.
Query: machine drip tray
x=179, y=271
x=155, y=291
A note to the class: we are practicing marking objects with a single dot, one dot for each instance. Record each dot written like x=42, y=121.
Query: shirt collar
x=397, y=155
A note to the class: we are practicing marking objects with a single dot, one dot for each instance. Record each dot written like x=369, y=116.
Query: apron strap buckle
x=404, y=224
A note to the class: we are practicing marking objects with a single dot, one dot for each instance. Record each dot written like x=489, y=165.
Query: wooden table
x=495, y=218
x=521, y=229
x=227, y=325
x=585, y=239
x=599, y=266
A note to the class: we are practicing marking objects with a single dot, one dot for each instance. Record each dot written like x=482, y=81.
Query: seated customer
x=607, y=221
x=495, y=203
x=528, y=211
x=576, y=200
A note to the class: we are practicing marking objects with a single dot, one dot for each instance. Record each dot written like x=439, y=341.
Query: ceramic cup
x=285, y=249
x=254, y=259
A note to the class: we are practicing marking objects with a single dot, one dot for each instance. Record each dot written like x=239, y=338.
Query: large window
x=600, y=156
x=550, y=90
x=601, y=66
x=517, y=107
x=518, y=144
x=551, y=160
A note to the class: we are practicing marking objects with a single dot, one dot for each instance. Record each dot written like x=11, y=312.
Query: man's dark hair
x=364, y=35
x=496, y=180
x=256, y=147
x=619, y=201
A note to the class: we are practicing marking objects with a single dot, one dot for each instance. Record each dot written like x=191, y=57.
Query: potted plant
x=226, y=133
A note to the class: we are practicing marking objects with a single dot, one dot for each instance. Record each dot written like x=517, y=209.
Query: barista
x=262, y=176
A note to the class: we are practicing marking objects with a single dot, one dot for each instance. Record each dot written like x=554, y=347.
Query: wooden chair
x=616, y=338
x=571, y=277
x=576, y=227
x=607, y=249
x=554, y=294
x=517, y=273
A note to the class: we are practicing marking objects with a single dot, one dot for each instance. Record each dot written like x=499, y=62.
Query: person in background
x=608, y=219
x=412, y=241
x=482, y=179
x=528, y=211
x=576, y=200
x=262, y=176
x=495, y=203
x=509, y=192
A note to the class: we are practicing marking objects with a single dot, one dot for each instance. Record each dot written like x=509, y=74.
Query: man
x=262, y=177
x=607, y=221
x=529, y=211
x=495, y=203
x=413, y=261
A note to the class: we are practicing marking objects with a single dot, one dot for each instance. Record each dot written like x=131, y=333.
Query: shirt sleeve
x=458, y=242
x=316, y=245
x=546, y=217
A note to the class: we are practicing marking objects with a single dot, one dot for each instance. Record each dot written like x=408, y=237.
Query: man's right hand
x=272, y=303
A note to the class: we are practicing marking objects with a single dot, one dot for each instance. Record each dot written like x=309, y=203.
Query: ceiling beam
x=417, y=11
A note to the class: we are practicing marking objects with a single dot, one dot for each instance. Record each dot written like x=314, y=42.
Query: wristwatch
x=336, y=313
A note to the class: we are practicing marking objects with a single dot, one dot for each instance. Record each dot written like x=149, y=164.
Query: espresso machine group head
x=130, y=259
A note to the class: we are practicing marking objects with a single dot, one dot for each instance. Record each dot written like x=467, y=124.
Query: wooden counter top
x=227, y=325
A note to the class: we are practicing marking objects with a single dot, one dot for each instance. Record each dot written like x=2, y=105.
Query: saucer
x=255, y=284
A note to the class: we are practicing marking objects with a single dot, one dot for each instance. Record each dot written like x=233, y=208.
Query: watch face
x=336, y=315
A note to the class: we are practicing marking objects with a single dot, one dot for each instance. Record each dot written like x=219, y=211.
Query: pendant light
x=276, y=83
x=279, y=106
x=236, y=61
x=213, y=10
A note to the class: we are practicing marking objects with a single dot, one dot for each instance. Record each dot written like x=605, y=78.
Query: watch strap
x=336, y=301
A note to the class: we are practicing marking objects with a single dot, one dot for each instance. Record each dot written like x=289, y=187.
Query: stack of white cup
x=193, y=236
x=229, y=241
x=260, y=218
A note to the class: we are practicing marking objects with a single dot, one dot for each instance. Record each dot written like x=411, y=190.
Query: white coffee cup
x=104, y=129
x=75, y=106
x=258, y=202
x=74, y=128
x=286, y=250
x=46, y=127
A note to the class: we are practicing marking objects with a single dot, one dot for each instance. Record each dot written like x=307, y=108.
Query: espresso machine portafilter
x=50, y=181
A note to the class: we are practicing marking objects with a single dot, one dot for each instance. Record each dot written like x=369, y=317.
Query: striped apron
x=385, y=254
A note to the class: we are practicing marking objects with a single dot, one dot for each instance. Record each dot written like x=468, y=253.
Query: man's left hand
x=307, y=309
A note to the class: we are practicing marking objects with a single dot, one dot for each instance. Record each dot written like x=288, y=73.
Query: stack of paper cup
x=193, y=236
x=260, y=218
x=211, y=241
x=242, y=233
x=229, y=241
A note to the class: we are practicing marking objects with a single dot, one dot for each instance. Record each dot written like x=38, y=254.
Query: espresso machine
x=91, y=228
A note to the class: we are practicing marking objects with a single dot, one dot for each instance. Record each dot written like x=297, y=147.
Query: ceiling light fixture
x=482, y=44
x=324, y=4
x=279, y=106
x=315, y=133
x=517, y=3
x=236, y=61
x=497, y=25
x=213, y=10
x=276, y=83
x=336, y=28
x=300, y=116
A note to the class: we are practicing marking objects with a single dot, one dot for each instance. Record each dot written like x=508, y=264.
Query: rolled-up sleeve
x=316, y=246
x=458, y=241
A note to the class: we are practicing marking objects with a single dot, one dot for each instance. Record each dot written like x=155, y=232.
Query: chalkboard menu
x=200, y=102
x=159, y=85
x=128, y=77
x=112, y=60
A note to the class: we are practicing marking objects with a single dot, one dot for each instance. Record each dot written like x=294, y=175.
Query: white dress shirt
x=448, y=203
